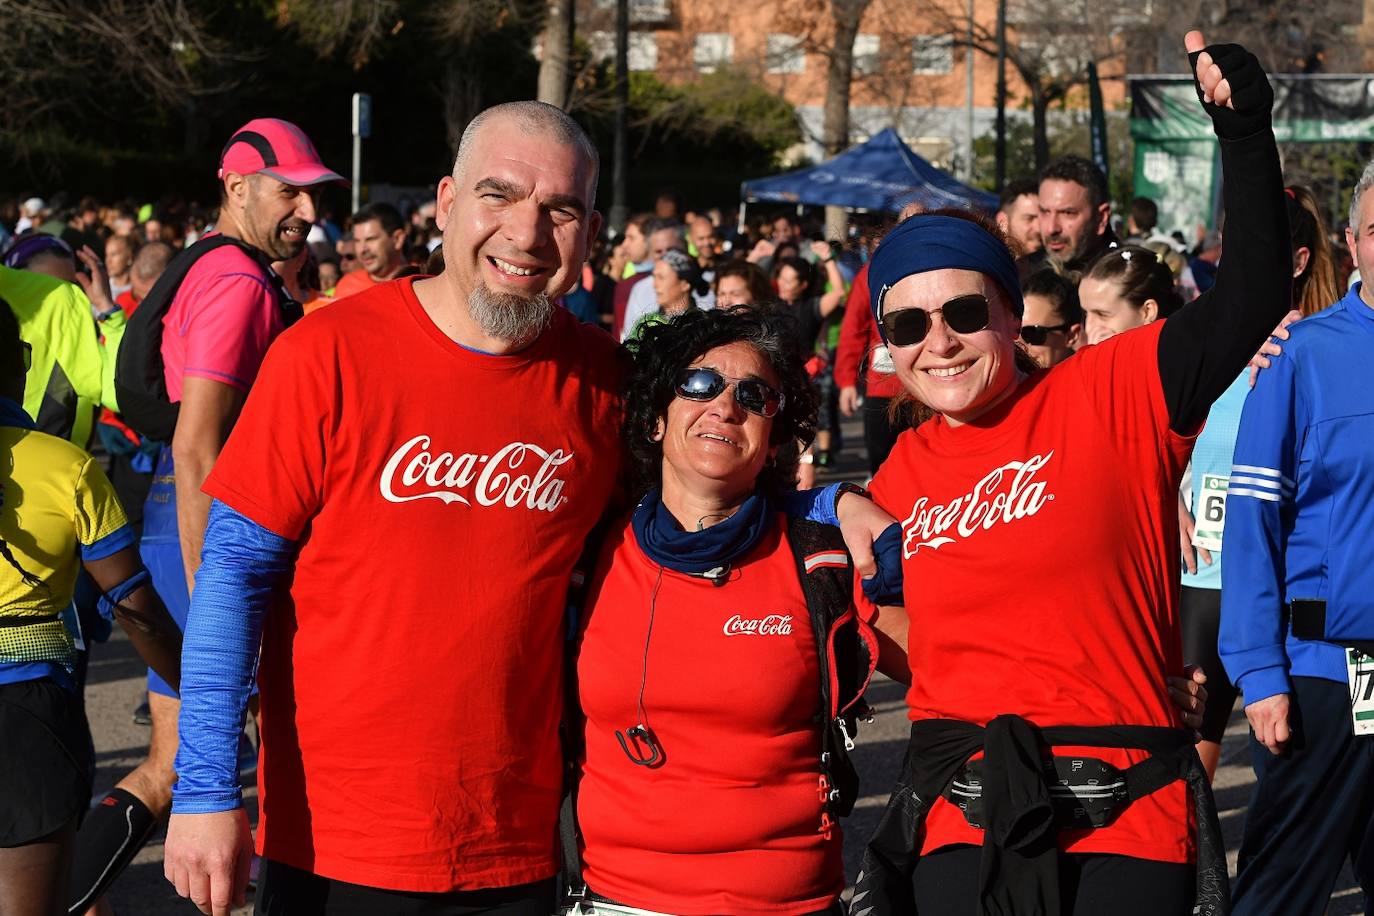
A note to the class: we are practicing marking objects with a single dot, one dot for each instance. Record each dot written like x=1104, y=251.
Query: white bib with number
x=1209, y=515
x=1359, y=673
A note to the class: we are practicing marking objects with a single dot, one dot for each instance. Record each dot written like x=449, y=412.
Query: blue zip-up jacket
x=1300, y=505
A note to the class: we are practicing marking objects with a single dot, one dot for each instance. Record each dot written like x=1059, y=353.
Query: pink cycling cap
x=279, y=149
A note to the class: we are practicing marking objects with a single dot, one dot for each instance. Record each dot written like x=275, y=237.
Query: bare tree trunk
x=1040, y=103
x=556, y=48
x=839, y=74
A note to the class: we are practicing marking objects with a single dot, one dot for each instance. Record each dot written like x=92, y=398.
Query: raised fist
x=1232, y=86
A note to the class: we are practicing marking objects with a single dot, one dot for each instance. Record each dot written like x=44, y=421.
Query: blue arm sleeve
x=240, y=563
x=886, y=586
x=1260, y=493
x=814, y=505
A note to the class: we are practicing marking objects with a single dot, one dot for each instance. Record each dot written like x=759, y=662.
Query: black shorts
x=46, y=767
x=284, y=890
x=1200, y=614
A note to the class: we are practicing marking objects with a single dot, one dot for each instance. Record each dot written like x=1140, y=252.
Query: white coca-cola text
x=518, y=474
x=772, y=625
x=1005, y=494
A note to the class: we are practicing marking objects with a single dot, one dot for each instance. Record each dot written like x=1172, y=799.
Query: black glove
x=1251, y=93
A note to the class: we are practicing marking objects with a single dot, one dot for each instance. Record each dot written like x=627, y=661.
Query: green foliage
x=701, y=137
x=724, y=108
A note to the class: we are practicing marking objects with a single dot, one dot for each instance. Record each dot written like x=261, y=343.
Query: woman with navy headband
x=1047, y=771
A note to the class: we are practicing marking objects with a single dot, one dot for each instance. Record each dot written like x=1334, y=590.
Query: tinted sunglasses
x=963, y=314
x=703, y=384
x=1037, y=334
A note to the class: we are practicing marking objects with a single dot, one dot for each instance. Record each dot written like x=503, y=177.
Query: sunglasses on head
x=963, y=314
x=1037, y=334
x=702, y=384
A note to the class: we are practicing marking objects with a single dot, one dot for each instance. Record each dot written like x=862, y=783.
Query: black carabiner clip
x=641, y=738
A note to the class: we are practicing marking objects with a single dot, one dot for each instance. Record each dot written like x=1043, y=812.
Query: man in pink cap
x=227, y=310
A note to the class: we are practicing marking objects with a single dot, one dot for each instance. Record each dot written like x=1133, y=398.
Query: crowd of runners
x=503, y=531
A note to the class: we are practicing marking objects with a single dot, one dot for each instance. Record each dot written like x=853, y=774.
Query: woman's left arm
x=835, y=297
x=1206, y=344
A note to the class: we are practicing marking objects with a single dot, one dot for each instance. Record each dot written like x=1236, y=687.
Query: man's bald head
x=533, y=118
x=152, y=259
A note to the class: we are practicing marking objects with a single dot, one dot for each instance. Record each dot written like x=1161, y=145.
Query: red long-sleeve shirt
x=858, y=336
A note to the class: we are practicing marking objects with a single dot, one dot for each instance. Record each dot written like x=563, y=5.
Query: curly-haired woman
x=722, y=662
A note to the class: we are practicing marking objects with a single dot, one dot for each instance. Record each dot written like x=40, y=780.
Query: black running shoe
x=142, y=714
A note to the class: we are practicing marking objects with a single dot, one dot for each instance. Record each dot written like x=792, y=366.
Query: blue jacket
x=1300, y=505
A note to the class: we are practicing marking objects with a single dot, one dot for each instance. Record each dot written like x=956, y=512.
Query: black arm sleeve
x=1205, y=345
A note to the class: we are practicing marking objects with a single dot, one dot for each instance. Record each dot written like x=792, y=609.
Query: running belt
x=1022, y=800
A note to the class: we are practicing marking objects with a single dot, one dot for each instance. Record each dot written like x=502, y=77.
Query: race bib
x=1359, y=673
x=1209, y=515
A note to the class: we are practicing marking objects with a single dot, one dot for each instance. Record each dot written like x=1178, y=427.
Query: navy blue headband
x=930, y=241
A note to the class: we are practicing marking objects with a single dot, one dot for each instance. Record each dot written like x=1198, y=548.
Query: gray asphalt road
x=116, y=686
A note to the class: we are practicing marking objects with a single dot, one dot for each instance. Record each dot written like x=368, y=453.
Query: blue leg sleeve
x=240, y=563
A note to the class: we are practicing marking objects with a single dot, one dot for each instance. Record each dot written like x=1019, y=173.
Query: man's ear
x=443, y=200
x=660, y=428
x=1149, y=310
x=235, y=188
x=1104, y=217
x=1075, y=336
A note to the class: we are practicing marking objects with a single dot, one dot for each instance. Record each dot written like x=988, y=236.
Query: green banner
x=1180, y=177
x=1318, y=108
x=1176, y=162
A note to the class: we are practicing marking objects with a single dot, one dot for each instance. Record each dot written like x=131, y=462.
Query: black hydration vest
x=140, y=377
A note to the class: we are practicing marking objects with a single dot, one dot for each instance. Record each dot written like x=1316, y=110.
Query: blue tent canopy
x=882, y=175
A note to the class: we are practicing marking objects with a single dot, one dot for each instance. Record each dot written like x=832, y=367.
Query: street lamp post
x=620, y=209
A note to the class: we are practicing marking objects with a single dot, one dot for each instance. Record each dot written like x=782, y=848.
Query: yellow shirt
x=57, y=502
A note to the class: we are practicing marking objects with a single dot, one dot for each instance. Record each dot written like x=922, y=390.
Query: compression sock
x=111, y=835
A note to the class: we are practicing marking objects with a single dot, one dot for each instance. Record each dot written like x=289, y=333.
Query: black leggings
x=879, y=434
x=946, y=881
x=1200, y=613
x=287, y=891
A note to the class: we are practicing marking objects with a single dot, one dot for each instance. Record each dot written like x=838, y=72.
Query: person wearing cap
x=31, y=214
x=676, y=280
x=1002, y=804
x=218, y=327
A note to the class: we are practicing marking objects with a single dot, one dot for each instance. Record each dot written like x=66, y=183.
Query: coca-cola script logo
x=772, y=625
x=1005, y=494
x=518, y=474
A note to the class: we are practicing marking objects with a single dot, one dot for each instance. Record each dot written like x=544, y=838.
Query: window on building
x=866, y=50
x=642, y=53
x=712, y=50
x=785, y=54
x=932, y=54
x=642, y=12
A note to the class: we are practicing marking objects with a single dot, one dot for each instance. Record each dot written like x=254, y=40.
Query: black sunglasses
x=702, y=384
x=963, y=314
x=1037, y=334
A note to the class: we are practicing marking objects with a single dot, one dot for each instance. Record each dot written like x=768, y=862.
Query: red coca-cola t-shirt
x=1040, y=555
x=732, y=820
x=411, y=673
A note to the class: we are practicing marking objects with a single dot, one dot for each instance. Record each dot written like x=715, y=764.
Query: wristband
x=846, y=487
